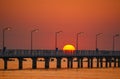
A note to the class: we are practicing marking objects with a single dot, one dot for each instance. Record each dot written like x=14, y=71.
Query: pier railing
x=53, y=53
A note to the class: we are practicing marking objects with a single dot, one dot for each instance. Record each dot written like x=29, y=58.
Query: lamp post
x=35, y=30
x=77, y=40
x=97, y=40
x=56, y=33
x=5, y=29
x=114, y=36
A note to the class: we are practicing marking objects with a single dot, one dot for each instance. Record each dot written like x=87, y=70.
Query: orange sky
x=70, y=16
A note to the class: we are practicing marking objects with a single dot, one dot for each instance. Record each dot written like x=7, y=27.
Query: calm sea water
x=62, y=74
x=28, y=73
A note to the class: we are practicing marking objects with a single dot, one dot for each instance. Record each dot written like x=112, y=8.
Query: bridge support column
x=70, y=63
x=101, y=62
x=47, y=63
x=91, y=62
x=118, y=62
x=5, y=63
x=34, y=63
x=110, y=59
x=79, y=62
x=97, y=62
x=114, y=62
x=106, y=63
x=58, y=62
x=20, y=63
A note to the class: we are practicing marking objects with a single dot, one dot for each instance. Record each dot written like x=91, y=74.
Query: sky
x=69, y=16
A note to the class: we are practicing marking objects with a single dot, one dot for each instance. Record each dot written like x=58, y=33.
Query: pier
x=102, y=56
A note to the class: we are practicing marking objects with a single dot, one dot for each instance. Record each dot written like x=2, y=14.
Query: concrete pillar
x=70, y=63
x=79, y=62
x=5, y=63
x=91, y=62
x=97, y=62
x=58, y=62
x=118, y=62
x=47, y=63
x=101, y=62
x=109, y=62
x=20, y=63
x=106, y=63
x=114, y=62
x=34, y=63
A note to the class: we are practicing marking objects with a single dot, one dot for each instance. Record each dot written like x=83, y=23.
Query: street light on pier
x=97, y=40
x=35, y=30
x=4, y=30
x=77, y=40
x=56, y=33
x=114, y=36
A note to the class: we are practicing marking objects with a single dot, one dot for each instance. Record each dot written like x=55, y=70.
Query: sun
x=69, y=48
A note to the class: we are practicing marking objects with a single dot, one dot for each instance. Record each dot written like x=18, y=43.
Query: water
x=62, y=73
x=28, y=73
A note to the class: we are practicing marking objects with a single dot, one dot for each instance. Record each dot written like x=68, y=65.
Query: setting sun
x=68, y=48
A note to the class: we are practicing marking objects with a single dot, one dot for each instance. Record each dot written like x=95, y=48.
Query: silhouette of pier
x=101, y=56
